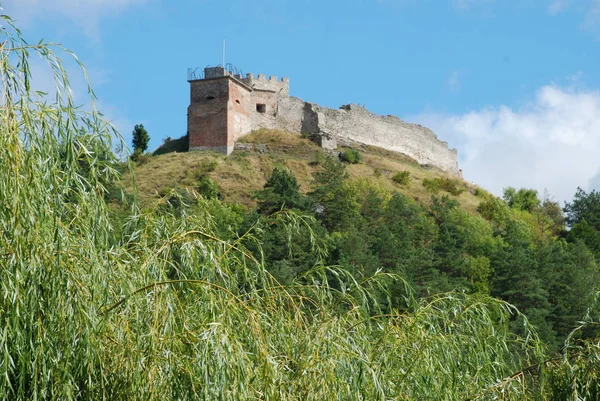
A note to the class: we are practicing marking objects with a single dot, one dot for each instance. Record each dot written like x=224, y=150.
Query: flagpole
x=223, y=53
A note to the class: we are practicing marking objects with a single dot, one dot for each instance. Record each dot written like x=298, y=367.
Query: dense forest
x=349, y=291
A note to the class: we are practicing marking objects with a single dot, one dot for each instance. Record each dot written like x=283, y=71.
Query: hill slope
x=246, y=170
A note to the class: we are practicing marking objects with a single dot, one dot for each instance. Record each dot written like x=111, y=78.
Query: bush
x=351, y=156
x=481, y=193
x=494, y=209
x=140, y=158
x=402, y=178
x=318, y=160
x=432, y=186
x=208, y=188
x=450, y=185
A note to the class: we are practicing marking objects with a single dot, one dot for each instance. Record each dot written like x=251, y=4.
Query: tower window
x=261, y=108
x=237, y=101
x=210, y=97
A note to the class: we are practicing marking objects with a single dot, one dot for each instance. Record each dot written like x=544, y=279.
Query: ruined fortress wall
x=355, y=123
x=358, y=124
x=290, y=115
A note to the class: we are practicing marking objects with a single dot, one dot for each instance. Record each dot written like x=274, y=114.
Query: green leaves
x=140, y=139
x=281, y=191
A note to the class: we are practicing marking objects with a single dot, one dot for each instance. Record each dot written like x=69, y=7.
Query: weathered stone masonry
x=224, y=107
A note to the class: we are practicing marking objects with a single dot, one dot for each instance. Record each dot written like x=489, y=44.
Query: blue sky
x=513, y=84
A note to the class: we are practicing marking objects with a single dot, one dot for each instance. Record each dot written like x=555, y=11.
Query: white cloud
x=552, y=143
x=85, y=13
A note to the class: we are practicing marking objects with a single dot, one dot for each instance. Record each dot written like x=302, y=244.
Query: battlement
x=258, y=82
x=261, y=77
x=272, y=84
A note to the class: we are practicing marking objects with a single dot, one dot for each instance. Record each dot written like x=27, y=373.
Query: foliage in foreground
x=177, y=307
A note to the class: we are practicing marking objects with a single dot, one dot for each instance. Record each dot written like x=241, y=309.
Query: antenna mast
x=223, y=53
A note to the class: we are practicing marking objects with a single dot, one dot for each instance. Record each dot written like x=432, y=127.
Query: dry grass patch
x=303, y=172
x=282, y=142
x=274, y=137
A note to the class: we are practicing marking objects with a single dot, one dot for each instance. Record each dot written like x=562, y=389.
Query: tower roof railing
x=197, y=73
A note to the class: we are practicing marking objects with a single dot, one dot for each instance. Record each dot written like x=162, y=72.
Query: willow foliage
x=177, y=310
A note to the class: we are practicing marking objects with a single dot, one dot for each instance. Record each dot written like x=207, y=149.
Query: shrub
x=481, y=193
x=140, y=158
x=351, y=156
x=208, y=188
x=318, y=160
x=402, y=178
x=432, y=186
x=494, y=209
x=450, y=185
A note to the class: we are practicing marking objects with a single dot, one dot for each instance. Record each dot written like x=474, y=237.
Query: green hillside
x=241, y=174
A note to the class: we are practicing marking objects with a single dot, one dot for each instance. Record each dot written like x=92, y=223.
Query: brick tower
x=224, y=107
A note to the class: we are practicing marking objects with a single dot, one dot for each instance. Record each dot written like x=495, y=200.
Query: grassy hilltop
x=244, y=172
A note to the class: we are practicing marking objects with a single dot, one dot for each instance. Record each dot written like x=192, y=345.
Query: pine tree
x=281, y=191
x=140, y=139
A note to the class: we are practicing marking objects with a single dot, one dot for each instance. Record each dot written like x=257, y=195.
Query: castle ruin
x=225, y=106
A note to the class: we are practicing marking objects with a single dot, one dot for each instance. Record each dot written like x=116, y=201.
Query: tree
x=549, y=217
x=281, y=191
x=585, y=232
x=140, y=139
x=519, y=280
x=584, y=207
x=522, y=199
x=336, y=203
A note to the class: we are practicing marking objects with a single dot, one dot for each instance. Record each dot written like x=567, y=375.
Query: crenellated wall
x=281, y=88
x=224, y=107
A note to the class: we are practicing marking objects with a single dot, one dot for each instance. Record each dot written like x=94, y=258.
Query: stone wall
x=265, y=117
x=290, y=114
x=389, y=132
x=280, y=88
